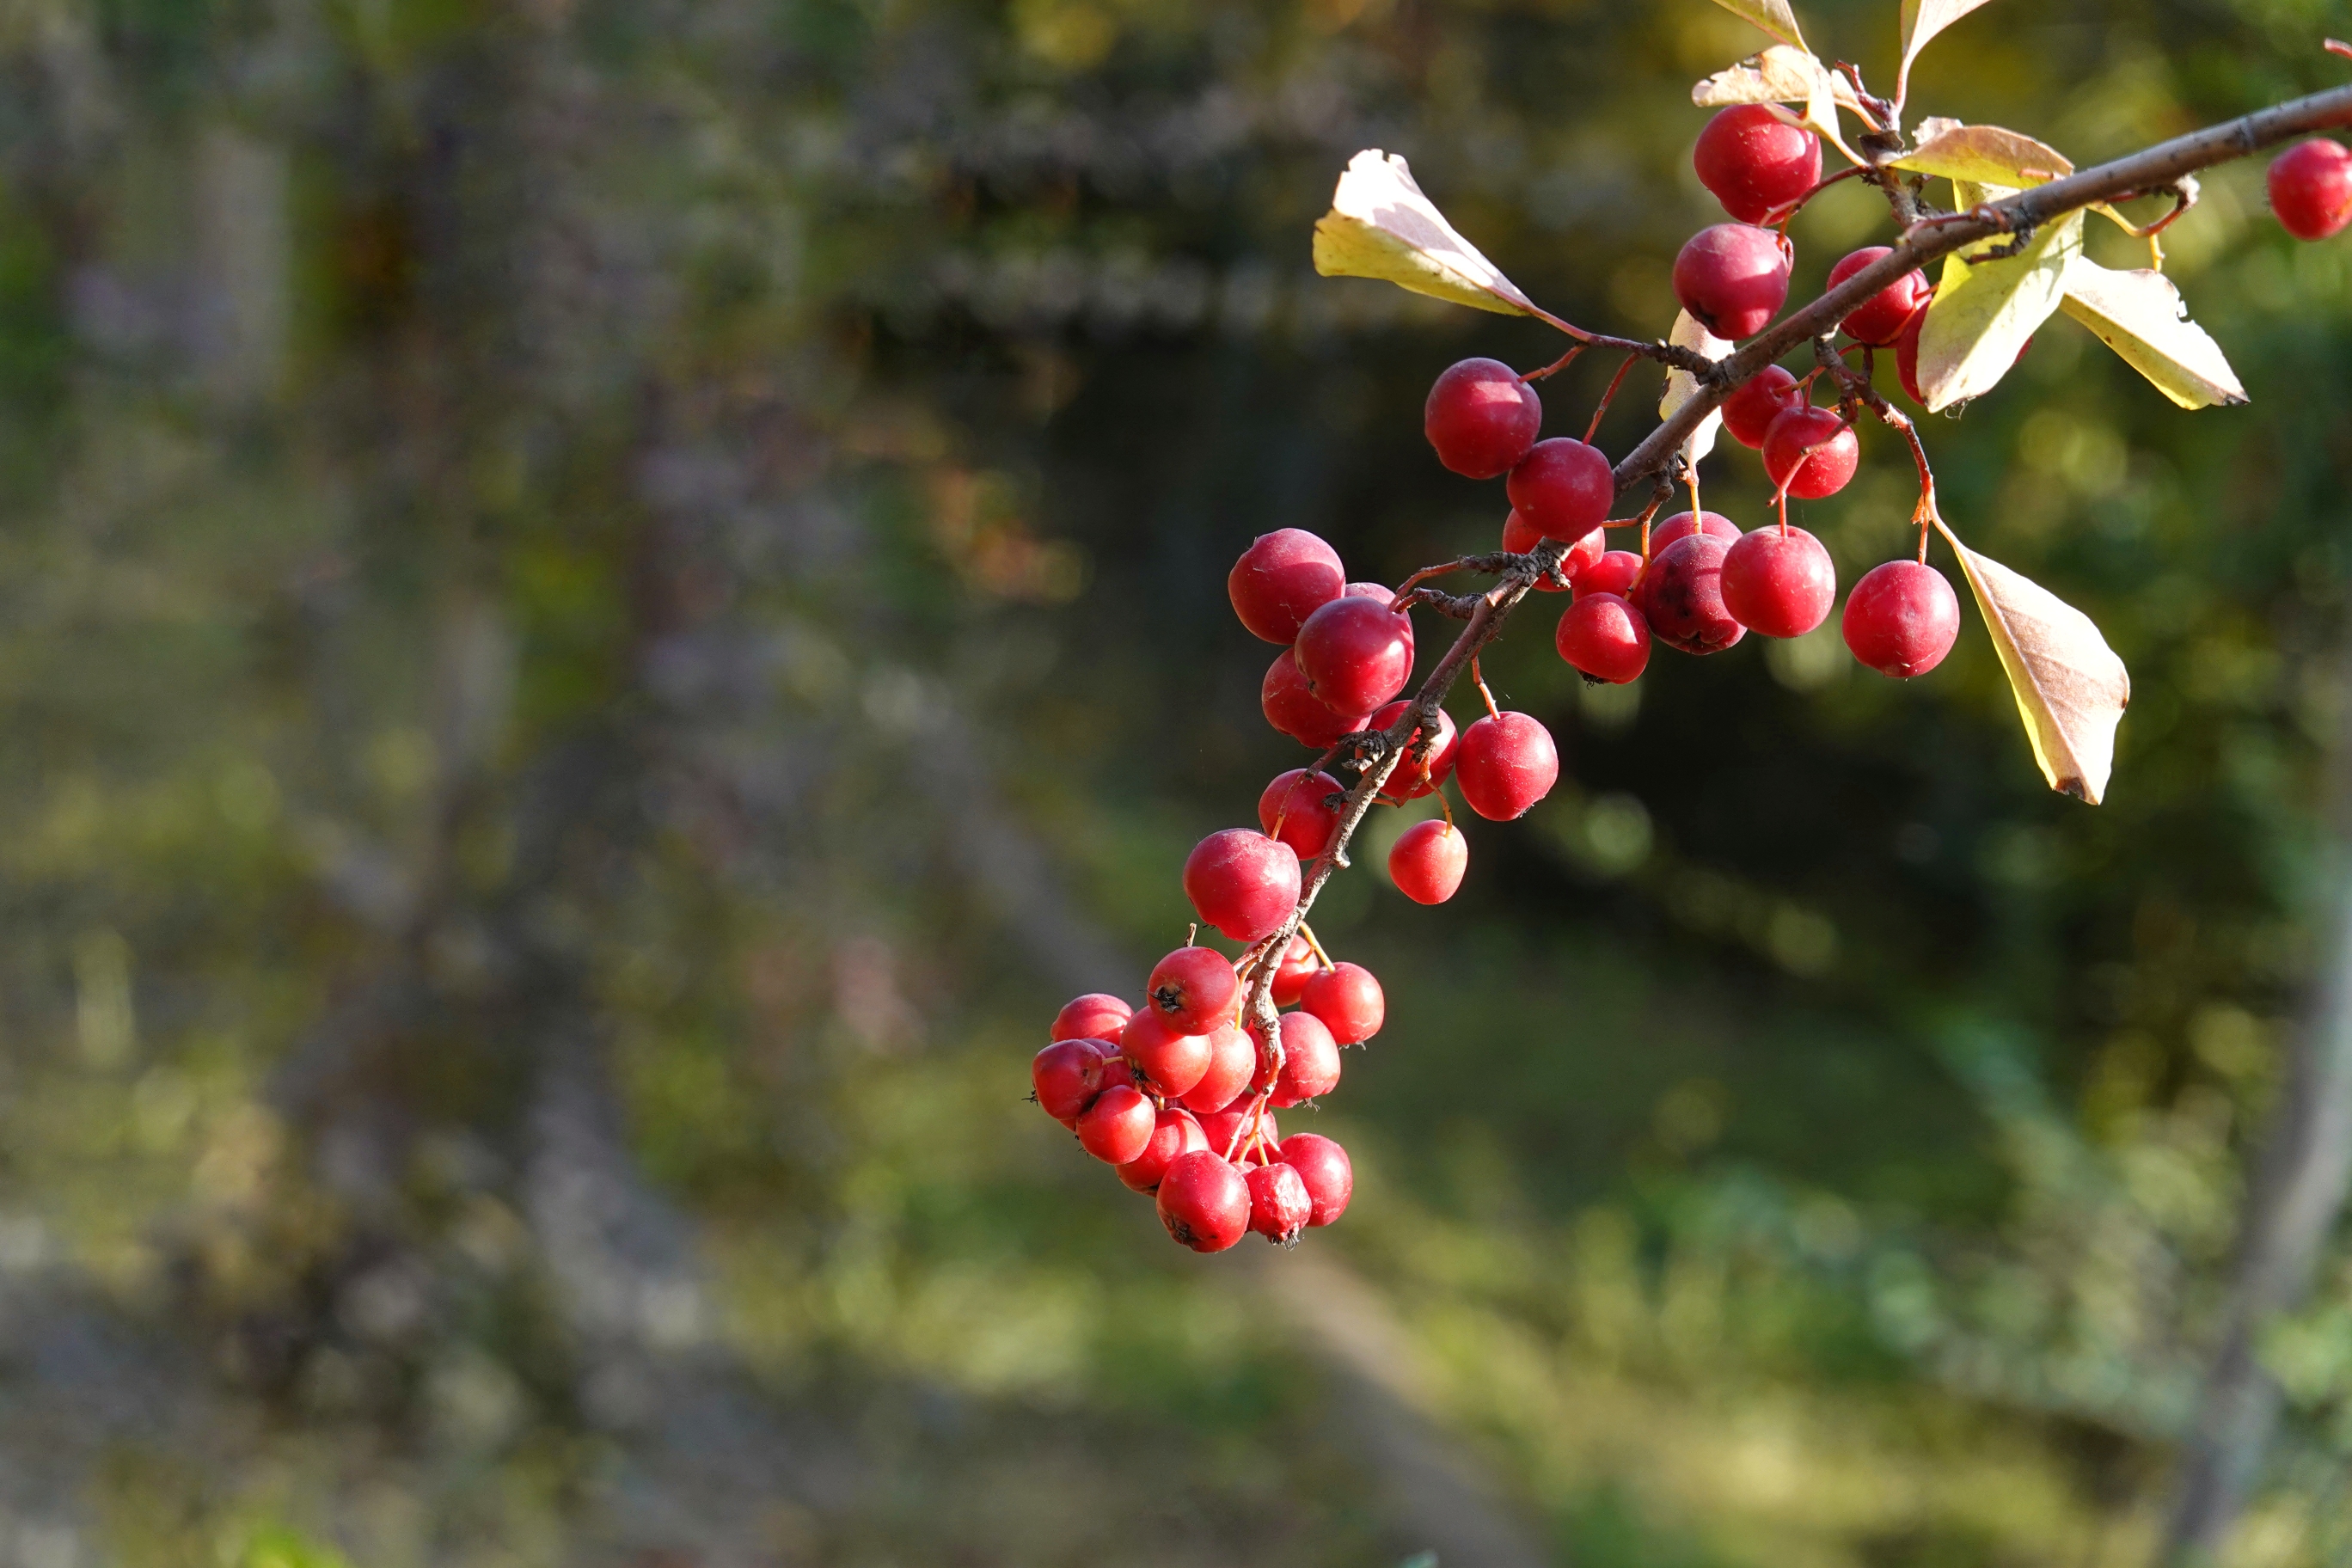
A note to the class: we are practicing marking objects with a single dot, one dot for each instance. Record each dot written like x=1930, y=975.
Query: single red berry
x=1782, y=585
x=1233, y=1062
x=1902, y=618
x=1681, y=597
x=1563, y=488
x=1507, y=764
x=1481, y=417
x=1194, y=988
x=1519, y=536
x=1907, y=357
x=1093, y=1016
x=1242, y=882
x=1615, y=573
x=1302, y=801
x=1228, y=1130
x=1732, y=279
x=1356, y=653
x=1348, y=1000
x=1714, y=524
x=1311, y=1061
x=1173, y=1133
x=1749, y=411
x=1297, y=711
x=1604, y=637
x=1279, y=1206
x=1429, y=860
x=1408, y=781
x=1118, y=1126
x=2311, y=188
x=1067, y=1076
x=1880, y=320
x=1323, y=1165
x=1812, y=451
x=1282, y=579
x=1755, y=162
x=1204, y=1202
x=1291, y=977
x=1163, y=1057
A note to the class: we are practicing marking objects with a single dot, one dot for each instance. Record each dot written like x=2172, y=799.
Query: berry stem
x=1614, y=382
x=1314, y=947
x=1492, y=712
x=1556, y=366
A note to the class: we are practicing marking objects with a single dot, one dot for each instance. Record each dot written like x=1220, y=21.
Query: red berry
x=1481, y=417
x=1302, y=801
x=1749, y=411
x=1093, y=1016
x=1348, y=999
x=1311, y=1061
x=1782, y=585
x=1204, y=1202
x=1732, y=279
x=1162, y=1055
x=1356, y=653
x=1614, y=573
x=1220, y=1126
x=1066, y=1075
x=1681, y=597
x=1323, y=1165
x=1116, y=1068
x=1173, y=1133
x=1519, y=536
x=1291, y=977
x=1604, y=637
x=1755, y=162
x=1812, y=451
x=1429, y=860
x=2311, y=188
x=1902, y=618
x=1243, y=883
x=1880, y=320
x=1507, y=764
x=1297, y=711
x=1194, y=989
x=1279, y=1206
x=1714, y=524
x=1907, y=358
x=1282, y=579
x=1233, y=1062
x=1118, y=1126
x=1563, y=488
x=1407, y=782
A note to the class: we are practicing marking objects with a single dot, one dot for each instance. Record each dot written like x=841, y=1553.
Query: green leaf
x=1380, y=226
x=1681, y=386
x=1983, y=312
x=1983, y=154
x=1922, y=20
x=2140, y=315
x=1773, y=15
x=2070, y=689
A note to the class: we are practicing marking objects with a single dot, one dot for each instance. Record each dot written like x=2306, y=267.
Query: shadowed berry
x=1173, y=1133
x=1296, y=711
x=1279, y=1206
x=1233, y=1062
x=1311, y=1061
x=1323, y=1165
x=1563, y=488
x=1304, y=802
x=1519, y=536
x=1604, y=637
x=1067, y=1076
x=1749, y=411
x=1879, y=320
x=1681, y=597
x=1407, y=781
x=1162, y=1055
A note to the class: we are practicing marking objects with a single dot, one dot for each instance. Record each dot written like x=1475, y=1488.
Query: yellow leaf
x=1983, y=154
x=1681, y=386
x=1781, y=74
x=1983, y=312
x=1922, y=20
x=2140, y=316
x=1773, y=15
x=1380, y=226
x=2070, y=689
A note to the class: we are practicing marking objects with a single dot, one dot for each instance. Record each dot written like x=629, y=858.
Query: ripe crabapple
x=1812, y=451
x=1614, y=573
x=1194, y=988
x=1681, y=597
x=1782, y=585
x=1712, y=524
x=1242, y=882
x=1173, y=1133
x=1162, y=1055
x=1118, y=1126
x=1282, y=579
x=1323, y=1165
x=1066, y=1075
x=1519, y=536
x=1732, y=279
x=1311, y=1061
x=1481, y=417
x=1301, y=800
x=1507, y=764
x=1295, y=711
x=2311, y=188
x=1755, y=162
x=1902, y=618
x=1279, y=1206
x=1604, y=637
x=1233, y=1062
x=1749, y=411
x=1298, y=967
x=1093, y=1016
x=1406, y=780
x=1880, y=320
x=1348, y=998
x=1563, y=488
x=1221, y=1127
x=1356, y=653
x=1204, y=1202
x=1427, y=863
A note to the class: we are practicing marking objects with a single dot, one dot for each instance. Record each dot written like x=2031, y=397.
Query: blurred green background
x=605, y=603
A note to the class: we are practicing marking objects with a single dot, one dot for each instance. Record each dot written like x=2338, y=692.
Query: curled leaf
x=1380, y=226
x=1681, y=386
x=1781, y=74
x=2070, y=689
x=1773, y=15
x=1922, y=20
x=1983, y=154
x=1984, y=311
x=2140, y=316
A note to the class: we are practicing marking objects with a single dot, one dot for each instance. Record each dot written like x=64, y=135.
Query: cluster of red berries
x=1169, y=1092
